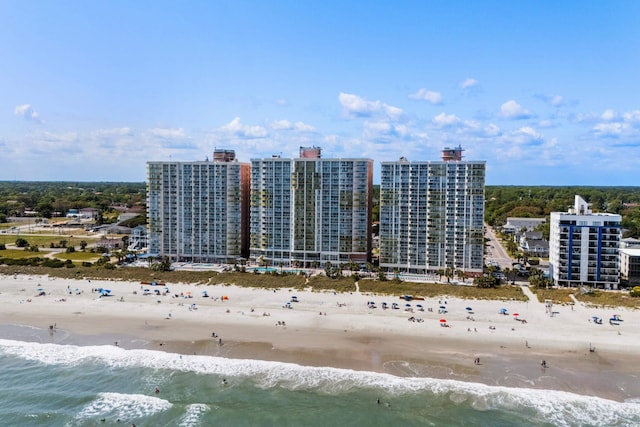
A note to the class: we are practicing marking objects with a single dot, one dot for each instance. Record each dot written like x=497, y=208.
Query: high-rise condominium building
x=198, y=211
x=432, y=214
x=309, y=210
x=584, y=246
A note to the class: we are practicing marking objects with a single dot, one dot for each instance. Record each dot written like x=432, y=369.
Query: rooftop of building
x=631, y=251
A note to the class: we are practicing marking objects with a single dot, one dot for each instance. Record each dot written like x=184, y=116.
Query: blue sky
x=546, y=92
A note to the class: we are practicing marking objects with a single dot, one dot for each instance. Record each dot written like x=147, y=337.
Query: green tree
x=485, y=281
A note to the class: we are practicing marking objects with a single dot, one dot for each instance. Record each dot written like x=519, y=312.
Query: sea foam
x=557, y=407
x=123, y=406
x=192, y=415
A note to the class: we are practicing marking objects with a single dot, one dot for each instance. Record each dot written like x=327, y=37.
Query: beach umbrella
x=407, y=305
x=516, y=314
x=468, y=309
x=443, y=321
x=419, y=305
x=443, y=307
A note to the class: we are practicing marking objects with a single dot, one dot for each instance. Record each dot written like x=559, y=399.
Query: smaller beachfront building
x=584, y=247
x=630, y=266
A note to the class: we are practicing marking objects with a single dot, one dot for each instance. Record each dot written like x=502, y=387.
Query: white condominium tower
x=584, y=246
x=198, y=211
x=432, y=215
x=309, y=211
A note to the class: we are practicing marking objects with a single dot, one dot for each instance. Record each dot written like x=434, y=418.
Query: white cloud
x=115, y=132
x=468, y=83
x=49, y=144
x=512, y=110
x=384, y=131
x=586, y=117
x=446, y=120
x=27, y=111
x=287, y=125
x=168, y=133
x=632, y=116
x=492, y=130
x=524, y=136
x=556, y=100
x=611, y=130
x=427, y=95
x=237, y=129
x=354, y=105
x=609, y=115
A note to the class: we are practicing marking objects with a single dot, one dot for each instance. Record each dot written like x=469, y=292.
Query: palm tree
x=449, y=273
x=462, y=275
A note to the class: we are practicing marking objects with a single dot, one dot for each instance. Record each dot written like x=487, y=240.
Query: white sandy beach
x=341, y=330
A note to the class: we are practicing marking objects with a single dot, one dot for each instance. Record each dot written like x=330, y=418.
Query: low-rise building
x=629, y=242
x=630, y=266
x=516, y=225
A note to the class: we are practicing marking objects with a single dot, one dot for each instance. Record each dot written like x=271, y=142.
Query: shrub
x=53, y=263
x=635, y=292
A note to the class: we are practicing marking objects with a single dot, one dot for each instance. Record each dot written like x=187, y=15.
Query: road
x=495, y=251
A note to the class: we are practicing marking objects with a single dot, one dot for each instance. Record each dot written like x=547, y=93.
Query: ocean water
x=67, y=385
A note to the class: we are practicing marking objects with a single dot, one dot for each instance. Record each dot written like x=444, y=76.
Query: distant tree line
x=532, y=202
x=46, y=198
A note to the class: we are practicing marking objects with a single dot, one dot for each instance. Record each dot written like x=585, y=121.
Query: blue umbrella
x=469, y=309
x=407, y=305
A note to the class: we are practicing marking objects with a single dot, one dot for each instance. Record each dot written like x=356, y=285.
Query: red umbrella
x=443, y=321
x=516, y=314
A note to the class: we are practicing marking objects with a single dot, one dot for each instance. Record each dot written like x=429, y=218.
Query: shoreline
x=350, y=335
